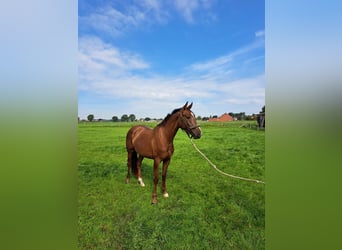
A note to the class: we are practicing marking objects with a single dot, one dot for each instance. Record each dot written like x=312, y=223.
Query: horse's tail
x=134, y=159
x=132, y=154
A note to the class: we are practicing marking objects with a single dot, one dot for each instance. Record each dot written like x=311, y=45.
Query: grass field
x=205, y=210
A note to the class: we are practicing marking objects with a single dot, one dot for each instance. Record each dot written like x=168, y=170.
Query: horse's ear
x=185, y=106
x=190, y=106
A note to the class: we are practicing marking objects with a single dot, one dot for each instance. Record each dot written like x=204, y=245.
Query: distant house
x=223, y=118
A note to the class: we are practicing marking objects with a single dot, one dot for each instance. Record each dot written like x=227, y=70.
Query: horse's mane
x=168, y=117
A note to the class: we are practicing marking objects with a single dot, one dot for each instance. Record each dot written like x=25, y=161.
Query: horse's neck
x=170, y=128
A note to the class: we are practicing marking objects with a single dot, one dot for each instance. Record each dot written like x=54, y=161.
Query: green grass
x=205, y=210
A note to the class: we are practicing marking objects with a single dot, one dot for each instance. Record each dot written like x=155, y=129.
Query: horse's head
x=188, y=122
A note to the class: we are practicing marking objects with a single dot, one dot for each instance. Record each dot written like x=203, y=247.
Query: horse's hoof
x=140, y=181
x=127, y=181
x=166, y=195
x=154, y=201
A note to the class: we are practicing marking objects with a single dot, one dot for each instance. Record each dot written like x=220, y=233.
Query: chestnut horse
x=157, y=144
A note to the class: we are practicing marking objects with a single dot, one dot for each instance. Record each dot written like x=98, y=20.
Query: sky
x=148, y=57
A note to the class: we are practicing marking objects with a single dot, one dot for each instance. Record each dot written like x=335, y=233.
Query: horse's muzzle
x=196, y=132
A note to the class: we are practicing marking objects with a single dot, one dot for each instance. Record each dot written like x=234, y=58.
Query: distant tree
x=124, y=118
x=90, y=117
x=241, y=116
x=250, y=117
x=199, y=118
x=131, y=117
x=263, y=109
x=147, y=119
x=115, y=119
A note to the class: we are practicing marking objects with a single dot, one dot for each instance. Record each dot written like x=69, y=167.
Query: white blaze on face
x=193, y=115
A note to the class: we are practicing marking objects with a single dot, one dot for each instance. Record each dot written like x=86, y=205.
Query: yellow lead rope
x=218, y=170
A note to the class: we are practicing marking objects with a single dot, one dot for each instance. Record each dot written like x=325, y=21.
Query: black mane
x=168, y=117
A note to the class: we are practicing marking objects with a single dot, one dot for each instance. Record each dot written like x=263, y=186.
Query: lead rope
x=218, y=170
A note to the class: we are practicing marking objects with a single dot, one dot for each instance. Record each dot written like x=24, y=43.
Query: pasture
x=205, y=210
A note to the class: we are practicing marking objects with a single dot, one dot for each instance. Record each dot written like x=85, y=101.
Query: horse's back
x=137, y=130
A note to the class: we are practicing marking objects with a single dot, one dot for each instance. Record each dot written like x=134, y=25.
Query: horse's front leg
x=155, y=180
x=165, y=166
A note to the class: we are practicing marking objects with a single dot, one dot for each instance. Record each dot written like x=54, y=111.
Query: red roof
x=223, y=118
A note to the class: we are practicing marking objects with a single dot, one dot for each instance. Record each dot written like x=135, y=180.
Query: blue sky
x=148, y=57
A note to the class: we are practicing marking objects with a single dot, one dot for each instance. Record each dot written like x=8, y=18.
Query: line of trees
x=124, y=118
x=131, y=118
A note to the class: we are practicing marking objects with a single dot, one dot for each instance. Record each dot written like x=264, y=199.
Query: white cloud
x=97, y=58
x=212, y=64
x=117, y=21
x=245, y=91
x=226, y=59
x=111, y=73
x=187, y=8
x=155, y=88
x=107, y=71
x=112, y=21
x=260, y=33
x=155, y=10
x=227, y=67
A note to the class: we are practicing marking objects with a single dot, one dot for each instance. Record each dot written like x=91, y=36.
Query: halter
x=187, y=128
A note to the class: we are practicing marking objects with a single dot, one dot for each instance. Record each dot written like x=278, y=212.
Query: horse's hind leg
x=129, y=164
x=139, y=161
